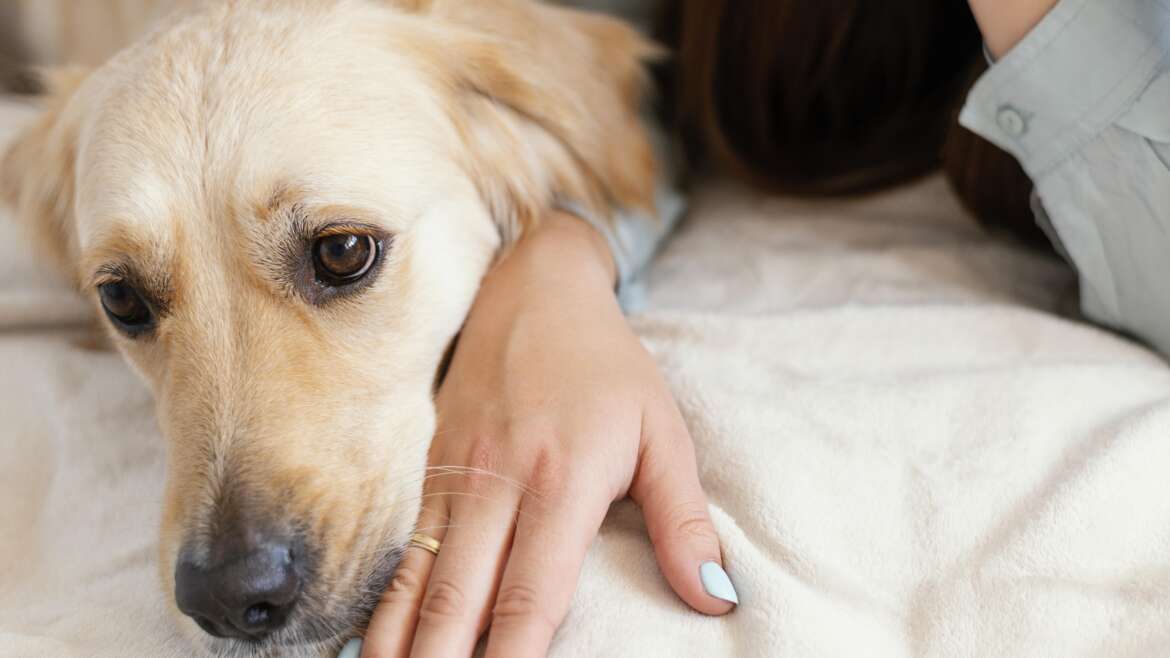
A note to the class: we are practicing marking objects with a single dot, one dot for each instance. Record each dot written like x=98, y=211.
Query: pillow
x=33, y=293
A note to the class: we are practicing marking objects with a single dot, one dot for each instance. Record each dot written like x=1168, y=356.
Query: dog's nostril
x=247, y=595
x=257, y=615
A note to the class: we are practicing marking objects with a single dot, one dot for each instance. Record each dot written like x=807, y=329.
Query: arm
x=1005, y=22
x=1082, y=100
x=634, y=236
x=551, y=410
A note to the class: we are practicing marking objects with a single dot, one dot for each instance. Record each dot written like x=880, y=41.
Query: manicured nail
x=716, y=582
x=352, y=649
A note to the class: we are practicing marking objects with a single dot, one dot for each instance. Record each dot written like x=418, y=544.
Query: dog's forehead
x=188, y=127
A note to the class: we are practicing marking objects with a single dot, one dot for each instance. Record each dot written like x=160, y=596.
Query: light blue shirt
x=635, y=237
x=1083, y=102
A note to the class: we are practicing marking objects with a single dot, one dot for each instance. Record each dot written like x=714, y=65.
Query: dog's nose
x=248, y=595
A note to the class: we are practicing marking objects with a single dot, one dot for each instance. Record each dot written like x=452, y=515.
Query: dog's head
x=282, y=210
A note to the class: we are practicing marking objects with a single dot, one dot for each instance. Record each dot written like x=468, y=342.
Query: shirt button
x=1011, y=121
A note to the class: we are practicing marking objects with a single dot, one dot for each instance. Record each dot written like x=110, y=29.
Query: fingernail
x=716, y=583
x=352, y=649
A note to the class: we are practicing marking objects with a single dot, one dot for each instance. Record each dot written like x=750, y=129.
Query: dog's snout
x=248, y=594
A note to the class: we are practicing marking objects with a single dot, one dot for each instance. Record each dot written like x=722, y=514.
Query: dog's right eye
x=126, y=308
x=344, y=258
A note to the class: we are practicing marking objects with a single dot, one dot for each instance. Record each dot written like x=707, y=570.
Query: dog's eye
x=126, y=307
x=343, y=258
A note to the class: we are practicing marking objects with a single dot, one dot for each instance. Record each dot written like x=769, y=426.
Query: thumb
x=666, y=486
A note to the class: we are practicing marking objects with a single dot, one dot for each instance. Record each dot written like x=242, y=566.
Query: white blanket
x=906, y=453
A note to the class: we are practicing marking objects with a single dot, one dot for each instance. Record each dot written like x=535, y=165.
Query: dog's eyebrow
x=155, y=288
x=292, y=201
x=279, y=197
x=283, y=196
x=123, y=255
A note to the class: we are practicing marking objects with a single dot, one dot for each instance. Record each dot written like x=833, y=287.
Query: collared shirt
x=1083, y=102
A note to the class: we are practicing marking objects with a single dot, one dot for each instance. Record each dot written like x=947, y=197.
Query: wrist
x=564, y=243
x=1004, y=23
x=562, y=252
x=562, y=261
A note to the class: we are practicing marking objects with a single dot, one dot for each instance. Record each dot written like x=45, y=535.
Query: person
x=552, y=409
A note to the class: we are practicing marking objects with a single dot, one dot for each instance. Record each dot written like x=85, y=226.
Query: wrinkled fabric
x=1083, y=102
x=907, y=453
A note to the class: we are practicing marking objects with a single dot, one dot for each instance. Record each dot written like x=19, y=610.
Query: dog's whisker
x=466, y=494
x=470, y=470
x=434, y=510
x=449, y=526
x=518, y=512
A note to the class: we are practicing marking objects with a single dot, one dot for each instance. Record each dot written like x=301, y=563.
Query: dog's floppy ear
x=548, y=101
x=37, y=171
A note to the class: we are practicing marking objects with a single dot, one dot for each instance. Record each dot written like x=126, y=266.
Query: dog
x=281, y=211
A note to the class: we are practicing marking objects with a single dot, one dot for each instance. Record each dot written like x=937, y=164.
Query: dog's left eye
x=128, y=310
x=344, y=258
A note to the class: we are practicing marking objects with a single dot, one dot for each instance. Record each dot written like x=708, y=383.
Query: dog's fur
x=193, y=161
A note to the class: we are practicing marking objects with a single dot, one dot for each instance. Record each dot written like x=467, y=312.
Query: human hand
x=551, y=410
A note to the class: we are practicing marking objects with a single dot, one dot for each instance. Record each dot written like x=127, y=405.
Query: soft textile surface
x=906, y=454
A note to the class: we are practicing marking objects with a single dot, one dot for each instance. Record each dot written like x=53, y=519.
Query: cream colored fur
x=451, y=125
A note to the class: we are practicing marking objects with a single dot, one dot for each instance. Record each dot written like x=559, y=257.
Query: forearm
x=566, y=245
x=551, y=389
x=563, y=259
x=1005, y=22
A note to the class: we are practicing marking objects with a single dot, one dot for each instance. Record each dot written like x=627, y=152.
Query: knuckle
x=407, y=583
x=520, y=604
x=484, y=461
x=484, y=451
x=549, y=477
x=690, y=521
x=443, y=602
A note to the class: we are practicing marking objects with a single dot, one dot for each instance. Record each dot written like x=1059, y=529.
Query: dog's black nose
x=247, y=594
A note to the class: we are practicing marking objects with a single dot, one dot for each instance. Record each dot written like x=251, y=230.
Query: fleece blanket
x=907, y=449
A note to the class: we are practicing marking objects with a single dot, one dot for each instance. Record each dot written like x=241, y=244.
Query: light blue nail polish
x=352, y=649
x=716, y=583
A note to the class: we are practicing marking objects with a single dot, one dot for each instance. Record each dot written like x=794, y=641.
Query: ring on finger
x=426, y=542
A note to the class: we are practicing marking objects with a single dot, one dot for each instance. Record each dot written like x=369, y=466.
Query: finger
x=675, y=508
x=392, y=625
x=455, y=609
x=538, y=584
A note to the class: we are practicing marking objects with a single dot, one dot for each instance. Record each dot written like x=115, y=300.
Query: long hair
x=837, y=97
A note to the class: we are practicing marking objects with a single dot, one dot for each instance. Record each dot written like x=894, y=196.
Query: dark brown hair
x=837, y=97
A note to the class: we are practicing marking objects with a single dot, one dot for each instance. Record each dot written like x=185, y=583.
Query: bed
x=909, y=451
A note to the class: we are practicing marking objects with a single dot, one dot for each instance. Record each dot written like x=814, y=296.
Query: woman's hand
x=551, y=411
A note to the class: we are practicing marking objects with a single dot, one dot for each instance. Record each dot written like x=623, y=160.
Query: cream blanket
x=907, y=453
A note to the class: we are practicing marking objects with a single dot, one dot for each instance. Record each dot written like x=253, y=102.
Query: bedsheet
x=908, y=451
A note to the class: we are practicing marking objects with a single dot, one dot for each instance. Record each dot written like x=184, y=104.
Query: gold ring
x=425, y=542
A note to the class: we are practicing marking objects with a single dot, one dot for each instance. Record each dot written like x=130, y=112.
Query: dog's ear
x=37, y=171
x=549, y=102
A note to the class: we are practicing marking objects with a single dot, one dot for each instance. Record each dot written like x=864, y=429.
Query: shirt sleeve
x=1083, y=102
x=634, y=236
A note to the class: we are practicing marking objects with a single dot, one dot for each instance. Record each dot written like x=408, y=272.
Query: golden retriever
x=283, y=209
